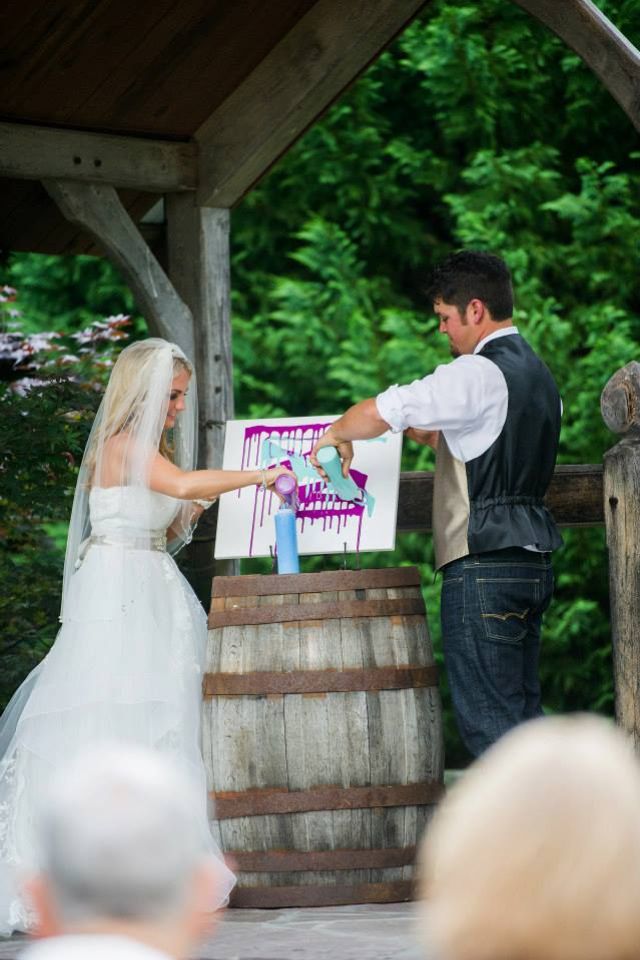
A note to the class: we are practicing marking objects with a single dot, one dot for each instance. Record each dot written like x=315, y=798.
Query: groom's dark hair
x=473, y=275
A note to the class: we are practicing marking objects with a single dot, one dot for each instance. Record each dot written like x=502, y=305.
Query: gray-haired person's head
x=119, y=837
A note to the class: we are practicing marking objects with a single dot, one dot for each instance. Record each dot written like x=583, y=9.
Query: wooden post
x=198, y=250
x=620, y=405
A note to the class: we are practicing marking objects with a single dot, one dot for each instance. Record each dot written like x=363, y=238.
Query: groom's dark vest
x=496, y=500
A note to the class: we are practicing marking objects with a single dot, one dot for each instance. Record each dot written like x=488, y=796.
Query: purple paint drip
x=314, y=503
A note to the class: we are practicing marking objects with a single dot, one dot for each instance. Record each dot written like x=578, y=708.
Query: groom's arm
x=360, y=422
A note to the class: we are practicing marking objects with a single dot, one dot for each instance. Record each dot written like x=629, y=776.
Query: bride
x=127, y=661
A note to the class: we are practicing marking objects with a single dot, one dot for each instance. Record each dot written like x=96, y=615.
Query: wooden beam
x=39, y=153
x=290, y=88
x=574, y=498
x=98, y=210
x=198, y=252
x=584, y=28
x=620, y=405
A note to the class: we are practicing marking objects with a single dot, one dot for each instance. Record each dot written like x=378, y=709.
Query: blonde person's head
x=535, y=854
x=128, y=390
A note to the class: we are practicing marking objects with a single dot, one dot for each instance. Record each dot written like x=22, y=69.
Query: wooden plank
x=621, y=412
x=158, y=68
x=414, y=755
x=98, y=210
x=314, y=612
x=584, y=28
x=38, y=153
x=191, y=60
x=247, y=735
x=198, y=260
x=198, y=246
x=262, y=861
x=255, y=803
x=328, y=800
x=323, y=582
x=321, y=895
x=268, y=682
x=291, y=88
x=327, y=741
x=70, y=50
x=574, y=498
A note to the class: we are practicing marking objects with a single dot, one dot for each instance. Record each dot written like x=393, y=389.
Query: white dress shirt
x=466, y=399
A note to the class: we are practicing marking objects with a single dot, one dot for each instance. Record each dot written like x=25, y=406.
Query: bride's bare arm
x=166, y=477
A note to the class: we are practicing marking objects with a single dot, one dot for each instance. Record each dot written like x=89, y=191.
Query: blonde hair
x=535, y=854
x=126, y=392
x=179, y=364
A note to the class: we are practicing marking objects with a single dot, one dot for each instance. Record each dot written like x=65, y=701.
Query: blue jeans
x=491, y=611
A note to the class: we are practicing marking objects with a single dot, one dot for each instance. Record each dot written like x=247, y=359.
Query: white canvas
x=325, y=524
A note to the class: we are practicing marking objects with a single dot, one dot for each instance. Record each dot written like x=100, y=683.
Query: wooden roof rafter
x=269, y=87
x=597, y=41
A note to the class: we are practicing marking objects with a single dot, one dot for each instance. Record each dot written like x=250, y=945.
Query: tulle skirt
x=126, y=666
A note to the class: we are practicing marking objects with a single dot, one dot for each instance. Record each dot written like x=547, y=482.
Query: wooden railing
x=575, y=498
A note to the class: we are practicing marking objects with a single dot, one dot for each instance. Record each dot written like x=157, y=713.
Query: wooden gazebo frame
x=107, y=107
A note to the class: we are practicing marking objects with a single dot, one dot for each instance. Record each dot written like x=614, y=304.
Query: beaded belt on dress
x=153, y=542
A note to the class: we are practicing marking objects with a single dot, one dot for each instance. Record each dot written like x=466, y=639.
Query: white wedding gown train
x=126, y=665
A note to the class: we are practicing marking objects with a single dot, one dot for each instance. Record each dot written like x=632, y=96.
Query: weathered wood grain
x=337, y=742
x=38, y=153
x=198, y=247
x=622, y=516
x=620, y=400
x=158, y=68
x=198, y=254
x=290, y=88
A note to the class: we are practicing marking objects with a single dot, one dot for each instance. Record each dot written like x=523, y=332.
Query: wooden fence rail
x=575, y=498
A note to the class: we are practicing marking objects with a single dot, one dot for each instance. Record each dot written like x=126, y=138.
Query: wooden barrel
x=322, y=734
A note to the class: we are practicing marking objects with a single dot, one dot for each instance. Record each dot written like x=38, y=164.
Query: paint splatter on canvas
x=355, y=515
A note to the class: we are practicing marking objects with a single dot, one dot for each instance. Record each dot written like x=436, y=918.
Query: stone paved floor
x=359, y=932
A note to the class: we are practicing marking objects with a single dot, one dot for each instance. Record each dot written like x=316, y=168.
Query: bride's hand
x=270, y=476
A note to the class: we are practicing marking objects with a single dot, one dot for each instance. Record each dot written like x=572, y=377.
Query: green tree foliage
x=476, y=128
x=68, y=293
x=49, y=393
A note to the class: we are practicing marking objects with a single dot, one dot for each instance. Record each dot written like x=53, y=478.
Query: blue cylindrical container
x=286, y=541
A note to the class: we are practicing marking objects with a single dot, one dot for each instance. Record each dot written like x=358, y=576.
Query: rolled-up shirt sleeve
x=391, y=406
x=465, y=397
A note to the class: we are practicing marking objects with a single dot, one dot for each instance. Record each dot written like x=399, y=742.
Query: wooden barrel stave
x=291, y=740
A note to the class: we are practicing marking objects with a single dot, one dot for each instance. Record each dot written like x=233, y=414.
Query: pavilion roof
x=192, y=76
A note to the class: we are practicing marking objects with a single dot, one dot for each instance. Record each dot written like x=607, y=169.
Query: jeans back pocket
x=506, y=606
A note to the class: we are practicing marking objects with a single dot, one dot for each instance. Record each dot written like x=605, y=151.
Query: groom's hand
x=344, y=448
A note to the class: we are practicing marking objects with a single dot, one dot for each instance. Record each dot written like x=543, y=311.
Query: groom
x=493, y=414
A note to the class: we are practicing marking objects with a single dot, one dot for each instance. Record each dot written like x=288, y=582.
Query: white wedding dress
x=126, y=665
